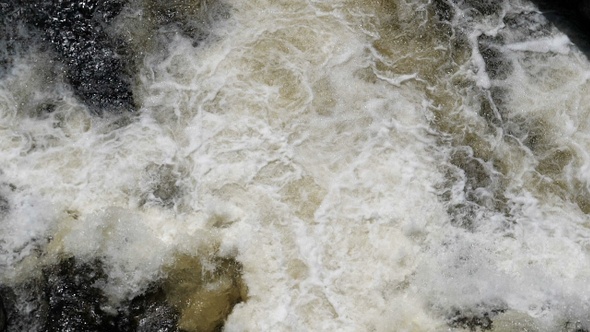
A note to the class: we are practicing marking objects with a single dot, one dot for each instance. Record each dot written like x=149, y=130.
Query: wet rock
x=67, y=297
x=64, y=297
x=474, y=320
x=97, y=58
x=151, y=312
x=473, y=323
x=23, y=307
x=74, y=301
x=2, y=316
x=77, y=31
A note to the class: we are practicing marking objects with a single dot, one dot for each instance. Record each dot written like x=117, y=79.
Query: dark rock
x=74, y=301
x=96, y=61
x=23, y=307
x=151, y=312
x=476, y=320
x=64, y=298
x=67, y=297
x=2, y=316
x=77, y=31
x=472, y=323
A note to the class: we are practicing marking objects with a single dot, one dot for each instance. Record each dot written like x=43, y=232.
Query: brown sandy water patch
x=204, y=290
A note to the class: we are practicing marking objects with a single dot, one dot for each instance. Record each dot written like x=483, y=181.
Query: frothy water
x=326, y=165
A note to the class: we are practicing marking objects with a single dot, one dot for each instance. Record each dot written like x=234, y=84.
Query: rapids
x=307, y=165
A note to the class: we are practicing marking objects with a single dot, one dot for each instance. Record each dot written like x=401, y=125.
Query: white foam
x=558, y=44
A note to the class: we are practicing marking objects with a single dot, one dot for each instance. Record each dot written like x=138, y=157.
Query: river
x=369, y=165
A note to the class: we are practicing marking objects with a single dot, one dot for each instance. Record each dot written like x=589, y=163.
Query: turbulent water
x=373, y=165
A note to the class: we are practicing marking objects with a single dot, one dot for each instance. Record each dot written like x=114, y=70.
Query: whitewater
x=336, y=165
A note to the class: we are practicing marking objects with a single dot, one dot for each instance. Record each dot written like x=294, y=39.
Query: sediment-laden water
x=301, y=165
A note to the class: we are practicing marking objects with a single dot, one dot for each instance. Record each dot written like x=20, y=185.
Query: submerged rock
x=4, y=206
x=161, y=185
x=150, y=312
x=443, y=10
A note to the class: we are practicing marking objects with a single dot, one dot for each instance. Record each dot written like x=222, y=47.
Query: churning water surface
x=337, y=165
